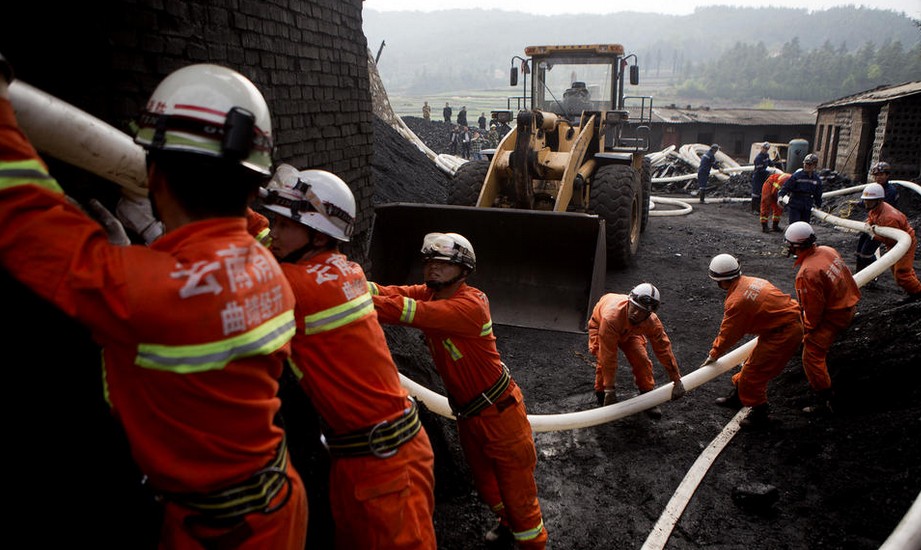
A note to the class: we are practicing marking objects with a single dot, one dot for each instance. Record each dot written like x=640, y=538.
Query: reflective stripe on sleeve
x=340, y=315
x=26, y=172
x=409, y=311
x=264, y=339
x=452, y=349
x=372, y=288
x=487, y=328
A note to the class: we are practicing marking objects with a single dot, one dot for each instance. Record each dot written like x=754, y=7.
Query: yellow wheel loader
x=563, y=197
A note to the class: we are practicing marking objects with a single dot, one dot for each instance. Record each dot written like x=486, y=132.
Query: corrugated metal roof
x=738, y=117
x=880, y=94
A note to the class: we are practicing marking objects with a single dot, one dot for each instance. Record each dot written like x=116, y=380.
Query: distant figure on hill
x=481, y=122
x=427, y=112
x=462, y=116
x=447, y=113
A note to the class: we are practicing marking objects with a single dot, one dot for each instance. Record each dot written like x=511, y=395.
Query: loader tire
x=646, y=178
x=467, y=182
x=617, y=197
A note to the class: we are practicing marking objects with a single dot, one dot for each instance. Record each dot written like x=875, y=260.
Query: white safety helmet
x=315, y=198
x=799, y=235
x=209, y=110
x=873, y=191
x=724, y=267
x=811, y=158
x=766, y=145
x=645, y=296
x=449, y=247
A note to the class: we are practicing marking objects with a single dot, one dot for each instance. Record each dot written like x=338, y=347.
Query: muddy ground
x=840, y=481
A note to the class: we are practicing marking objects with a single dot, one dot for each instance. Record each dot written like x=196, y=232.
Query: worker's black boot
x=731, y=401
x=756, y=203
x=764, y=227
x=776, y=227
x=599, y=398
x=702, y=195
x=863, y=262
x=500, y=535
x=822, y=404
x=758, y=418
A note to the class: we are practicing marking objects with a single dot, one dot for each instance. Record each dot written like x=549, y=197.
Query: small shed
x=882, y=124
x=733, y=129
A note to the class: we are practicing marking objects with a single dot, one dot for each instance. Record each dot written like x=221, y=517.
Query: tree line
x=750, y=71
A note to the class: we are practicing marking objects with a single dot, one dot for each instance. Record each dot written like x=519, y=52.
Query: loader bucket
x=542, y=270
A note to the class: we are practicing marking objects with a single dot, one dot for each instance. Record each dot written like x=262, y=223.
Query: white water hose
x=78, y=138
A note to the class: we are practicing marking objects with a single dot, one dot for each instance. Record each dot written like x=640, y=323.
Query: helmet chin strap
x=299, y=253
x=439, y=285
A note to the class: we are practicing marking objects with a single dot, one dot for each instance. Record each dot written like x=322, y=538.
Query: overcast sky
x=674, y=7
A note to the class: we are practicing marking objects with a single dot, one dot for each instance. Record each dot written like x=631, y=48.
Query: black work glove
x=678, y=391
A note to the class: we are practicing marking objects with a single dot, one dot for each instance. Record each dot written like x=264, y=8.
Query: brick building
x=882, y=124
x=733, y=129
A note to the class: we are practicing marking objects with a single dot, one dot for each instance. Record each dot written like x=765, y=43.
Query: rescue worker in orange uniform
x=382, y=473
x=770, y=208
x=492, y=422
x=754, y=306
x=883, y=214
x=628, y=322
x=828, y=295
x=195, y=328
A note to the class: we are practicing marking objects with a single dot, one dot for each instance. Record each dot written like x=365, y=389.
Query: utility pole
x=379, y=50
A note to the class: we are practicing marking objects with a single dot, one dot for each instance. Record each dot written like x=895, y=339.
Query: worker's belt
x=486, y=398
x=252, y=495
x=381, y=440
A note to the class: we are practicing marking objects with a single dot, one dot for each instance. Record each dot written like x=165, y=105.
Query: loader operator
x=382, y=467
x=492, y=422
x=191, y=370
x=628, y=323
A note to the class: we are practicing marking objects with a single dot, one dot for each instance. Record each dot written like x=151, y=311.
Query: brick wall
x=309, y=58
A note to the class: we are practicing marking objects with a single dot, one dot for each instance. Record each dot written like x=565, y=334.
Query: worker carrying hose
x=770, y=208
x=194, y=329
x=866, y=244
x=754, y=306
x=802, y=191
x=627, y=323
x=883, y=214
x=828, y=296
x=492, y=422
x=382, y=475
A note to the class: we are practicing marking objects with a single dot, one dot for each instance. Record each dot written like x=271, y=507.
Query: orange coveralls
x=769, y=205
x=497, y=442
x=194, y=329
x=903, y=270
x=828, y=295
x=610, y=328
x=755, y=306
x=341, y=358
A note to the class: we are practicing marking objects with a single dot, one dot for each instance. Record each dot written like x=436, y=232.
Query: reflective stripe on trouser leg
x=499, y=448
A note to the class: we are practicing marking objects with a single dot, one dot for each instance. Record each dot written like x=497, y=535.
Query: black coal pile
x=401, y=172
x=435, y=133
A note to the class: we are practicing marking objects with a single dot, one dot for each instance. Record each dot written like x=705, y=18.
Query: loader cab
x=579, y=81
